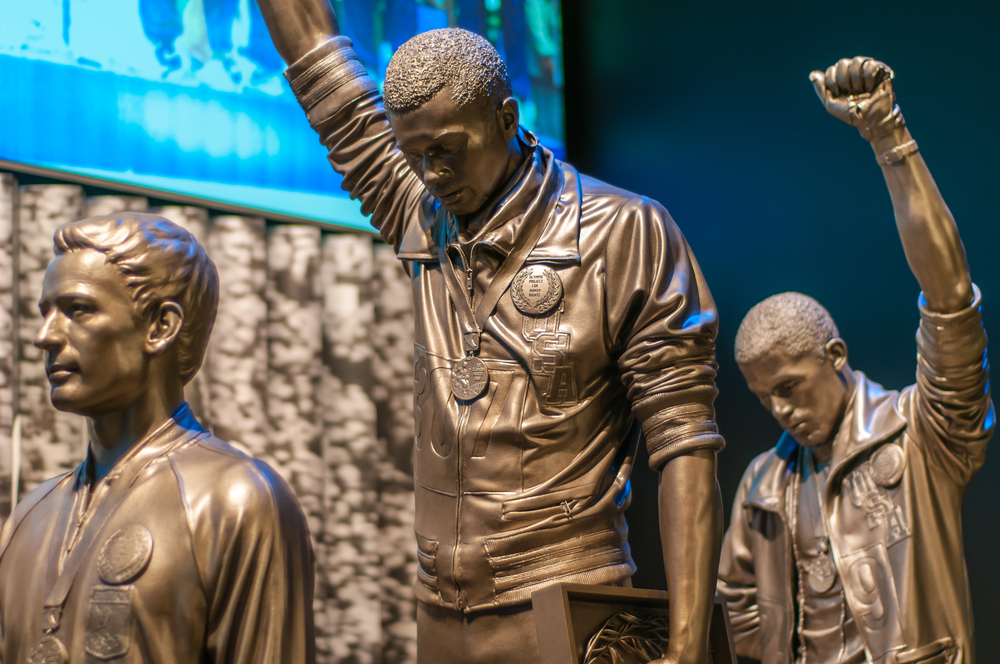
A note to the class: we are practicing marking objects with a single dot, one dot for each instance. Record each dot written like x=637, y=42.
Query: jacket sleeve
x=345, y=108
x=737, y=576
x=252, y=545
x=952, y=411
x=662, y=323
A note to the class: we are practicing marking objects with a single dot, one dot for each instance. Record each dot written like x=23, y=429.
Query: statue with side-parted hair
x=160, y=261
x=165, y=544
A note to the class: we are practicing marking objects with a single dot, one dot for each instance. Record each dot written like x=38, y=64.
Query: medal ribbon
x=116, y=493
x=536, y=220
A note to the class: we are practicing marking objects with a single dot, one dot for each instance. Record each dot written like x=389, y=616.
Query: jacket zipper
x=463, y=416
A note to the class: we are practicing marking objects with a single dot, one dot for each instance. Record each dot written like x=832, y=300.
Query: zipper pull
x=468, y=279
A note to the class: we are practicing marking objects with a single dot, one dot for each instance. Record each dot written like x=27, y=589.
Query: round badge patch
x=536, y=289
x=888, y=464
x=125, y=555
x=469, y=377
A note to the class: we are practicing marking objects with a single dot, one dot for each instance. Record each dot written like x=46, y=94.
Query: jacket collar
x=426, y=236
x=871, y=418
x=179, y=428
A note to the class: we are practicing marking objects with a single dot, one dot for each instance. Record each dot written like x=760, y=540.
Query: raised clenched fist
x=859, y=92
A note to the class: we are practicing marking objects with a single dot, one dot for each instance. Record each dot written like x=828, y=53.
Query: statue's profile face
x=807, y=395
x=93, y=346
x=457, y=153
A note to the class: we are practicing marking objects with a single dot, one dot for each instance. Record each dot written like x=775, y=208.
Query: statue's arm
x=949, y=408
x=662, y=322
x=860, y=92
x=345, y=109
x=690, y=507
x=299, y=26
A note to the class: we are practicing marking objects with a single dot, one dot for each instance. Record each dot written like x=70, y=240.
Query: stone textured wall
x=392, y=391
x=51, y=441
x=101, y=205
x=236, y=361
x=351, y=571
x=8, y=335
x=309, y=368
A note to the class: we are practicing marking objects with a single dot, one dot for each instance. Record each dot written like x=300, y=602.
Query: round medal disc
x=469, y=377
x=888, y=464
x=125, y=555
x=536, y=289
x=821, y=573
x=50, y=650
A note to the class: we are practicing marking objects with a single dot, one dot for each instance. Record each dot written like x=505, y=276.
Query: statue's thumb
x=819, y=84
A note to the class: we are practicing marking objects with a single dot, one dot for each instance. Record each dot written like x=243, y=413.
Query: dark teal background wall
x=707, y=107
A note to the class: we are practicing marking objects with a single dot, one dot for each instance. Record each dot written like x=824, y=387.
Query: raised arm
x=860, y=92
x=298, y=26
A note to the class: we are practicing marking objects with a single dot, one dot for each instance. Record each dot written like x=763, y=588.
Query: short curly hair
x=794, y=321
x=160, y=261
x=433, y=60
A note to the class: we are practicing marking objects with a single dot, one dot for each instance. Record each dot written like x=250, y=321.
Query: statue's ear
x=836, y=351
x=164, y=327
x=509, y=118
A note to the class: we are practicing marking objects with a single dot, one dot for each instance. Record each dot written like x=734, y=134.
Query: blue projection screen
x=186, y=97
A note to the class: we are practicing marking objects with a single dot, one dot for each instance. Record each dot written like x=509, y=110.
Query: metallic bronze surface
x=897, y=462
x=125, y=555
x=536, y=290
x=469, y=377
x=49, y=650
x=165, y=544
x=528, y=482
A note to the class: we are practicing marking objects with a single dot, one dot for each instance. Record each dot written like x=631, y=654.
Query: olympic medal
x=469, y=377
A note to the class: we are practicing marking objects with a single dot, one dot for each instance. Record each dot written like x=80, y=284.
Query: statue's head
x=448, y=98
x=791, y=354
x=128, y=305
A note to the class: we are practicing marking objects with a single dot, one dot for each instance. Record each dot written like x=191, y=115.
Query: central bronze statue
x=555, y=314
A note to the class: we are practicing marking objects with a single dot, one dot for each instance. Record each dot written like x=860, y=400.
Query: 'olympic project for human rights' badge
x=536, y=290
x=125, y=555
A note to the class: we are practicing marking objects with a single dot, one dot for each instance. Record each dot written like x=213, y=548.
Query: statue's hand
x=859, y=92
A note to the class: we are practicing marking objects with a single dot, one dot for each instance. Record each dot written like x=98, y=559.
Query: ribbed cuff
x=952, y=340
x=330, y=69
x=680, y=429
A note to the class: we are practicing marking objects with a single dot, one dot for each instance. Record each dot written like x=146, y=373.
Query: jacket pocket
x=427, y=563
x=561, y=501
x=941, y=651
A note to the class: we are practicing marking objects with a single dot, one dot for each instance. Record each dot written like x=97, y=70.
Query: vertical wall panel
x=102, y=205
x=392, y=392
x=195, y=221
x=8, y=335
x=351, y=571
x=52, y=442
x=236, y=362
x=294, y=338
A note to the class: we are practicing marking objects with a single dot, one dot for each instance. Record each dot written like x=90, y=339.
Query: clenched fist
x=859, y=92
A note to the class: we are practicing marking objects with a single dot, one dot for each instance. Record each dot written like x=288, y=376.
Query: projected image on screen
x=187, y=96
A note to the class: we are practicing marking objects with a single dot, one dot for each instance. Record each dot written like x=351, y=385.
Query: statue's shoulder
x=601, y=202
x=23, y=508
x=212, y=469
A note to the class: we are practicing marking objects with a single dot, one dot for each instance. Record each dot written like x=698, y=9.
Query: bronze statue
x=165, y=544
x=846, y=536
x=553, y=314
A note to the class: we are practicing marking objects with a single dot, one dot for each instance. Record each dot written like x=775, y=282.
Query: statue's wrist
x=886, y=141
